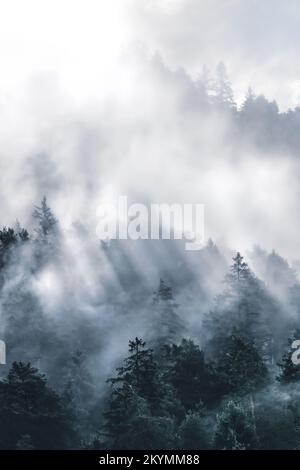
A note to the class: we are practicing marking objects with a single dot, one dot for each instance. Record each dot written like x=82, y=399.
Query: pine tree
x=47, y=223
x=242, y=369
x=240, y=365
x=234, y=430
x=290, y=372
x=278, y=420
x=135, y=390
x=140, y=371
x=8, y=237
x=141, y=406
x=260, y=121
x=168, y=325
x=28, y=407
x=21, y=232
x=223, y=89
x=249, y=100
x=194, y=380
x=149, y=432
x=79, y=393
x=27, y=330
x=230, y=305
x=246, y=308
x=247, y=117
x=9, y=240
x=124, y=404
x=193, y=432
x=239, y=272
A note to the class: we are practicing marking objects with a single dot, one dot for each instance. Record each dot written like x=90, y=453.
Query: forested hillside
x=204, y=368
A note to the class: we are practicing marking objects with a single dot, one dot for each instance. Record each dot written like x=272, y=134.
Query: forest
x=171, y=335
x=174, y=367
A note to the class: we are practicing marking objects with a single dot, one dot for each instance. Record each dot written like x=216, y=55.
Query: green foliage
x=246, y=308
x=24, y=443
x=168, y=324
x=78, y=394
x=193, y=432
x=10, y=239
x=136, y=390
x=139, y=372
x=149, y=432
x=168, y=396
x=31, y=412
x=240, y=365
x=234, y=430
x=47, y=223
x=290, y=372
x=194, y=379
x=278, y=420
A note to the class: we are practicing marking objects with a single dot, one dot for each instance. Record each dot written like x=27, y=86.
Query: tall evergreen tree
x=47, y=223
x=223, y=88
x=242, y=369
x=9, y=240
x=290, y=372
x=248, y=102
x=28, y=407
x=240, y=365
x=169, y=327
x=246, y=308
x=234, y=430
x=195, y=380
x=137, y=382
x=193, y=432
x=79, y=393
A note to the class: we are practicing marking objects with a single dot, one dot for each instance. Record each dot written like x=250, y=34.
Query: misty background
x=99, y=99
x=148, y=99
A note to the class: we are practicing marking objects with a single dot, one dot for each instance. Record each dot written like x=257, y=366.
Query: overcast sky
x=76, y=118
x=256, y=39
x=80, y=41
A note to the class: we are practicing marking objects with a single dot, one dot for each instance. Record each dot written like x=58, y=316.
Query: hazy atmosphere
x=98, y=98
x=165, y=102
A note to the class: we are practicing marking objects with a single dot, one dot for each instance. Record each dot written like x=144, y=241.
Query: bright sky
x=80, y=41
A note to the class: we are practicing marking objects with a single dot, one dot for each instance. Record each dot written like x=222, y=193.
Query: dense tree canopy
x=195, y=376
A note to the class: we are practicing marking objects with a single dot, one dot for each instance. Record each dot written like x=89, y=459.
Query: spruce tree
x=8, y=240
x=245, y=307
x=193, y=432
x=290, y=372
x=194, y=380
x=168, y=325
x=31, y=412
x=223, y=89
x=135, y=390
x=242, y=370
x=234, y=430
x=240, y=365
x=79, y=393
x=47, y=223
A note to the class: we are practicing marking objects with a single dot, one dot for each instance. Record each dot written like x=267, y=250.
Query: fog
x=106, y=99
x=77, y=142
